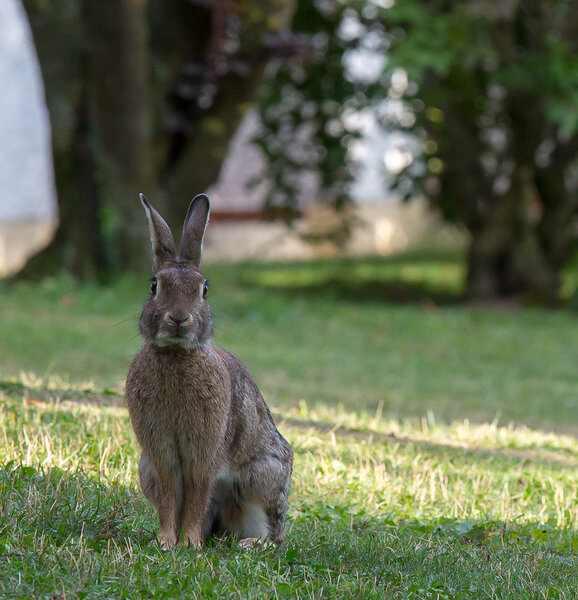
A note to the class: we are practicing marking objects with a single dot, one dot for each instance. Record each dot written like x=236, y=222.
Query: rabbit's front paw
x=192, y=540
x=167, y=540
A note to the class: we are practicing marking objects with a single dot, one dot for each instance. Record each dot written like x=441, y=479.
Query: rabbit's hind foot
x=251, y=543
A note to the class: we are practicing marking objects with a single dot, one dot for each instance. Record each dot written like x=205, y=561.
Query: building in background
x=385, y=225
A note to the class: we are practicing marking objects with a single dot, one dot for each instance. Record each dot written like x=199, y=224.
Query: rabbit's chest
x=176, y=429
x=186, y=417
x=177, y=406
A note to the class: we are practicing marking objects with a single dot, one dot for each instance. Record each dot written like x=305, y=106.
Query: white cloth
x=27, y=193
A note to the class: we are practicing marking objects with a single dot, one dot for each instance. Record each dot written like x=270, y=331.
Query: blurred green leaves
x=484, y=93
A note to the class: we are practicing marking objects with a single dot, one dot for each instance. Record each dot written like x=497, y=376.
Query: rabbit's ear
x=194, y=230
x=161, y=236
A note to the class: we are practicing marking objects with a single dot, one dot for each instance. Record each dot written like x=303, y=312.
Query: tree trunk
x=97, y=99
x=118, y=85
x=515, y=270
x=84, y=252
x=505, y=257
x=78, y=245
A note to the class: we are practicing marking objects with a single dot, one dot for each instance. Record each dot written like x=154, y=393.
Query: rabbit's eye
x=205, y=289
x=154, y=285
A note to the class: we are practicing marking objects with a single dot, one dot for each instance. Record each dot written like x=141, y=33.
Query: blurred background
x=319, y=128
x=392, y=252
x=400, y=175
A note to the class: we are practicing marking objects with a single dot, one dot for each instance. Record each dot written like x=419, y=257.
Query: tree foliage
x=487, y=88
x=311, y=102
x=493, y=107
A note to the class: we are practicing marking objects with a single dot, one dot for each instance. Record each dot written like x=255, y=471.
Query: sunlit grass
x=434, y=446
x=378, y=509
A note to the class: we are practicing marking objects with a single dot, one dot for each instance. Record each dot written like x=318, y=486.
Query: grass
x=435, y=455
x=378, y=509
x=327, y=333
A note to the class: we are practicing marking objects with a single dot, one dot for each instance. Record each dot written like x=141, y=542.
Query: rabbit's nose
x=178, y=318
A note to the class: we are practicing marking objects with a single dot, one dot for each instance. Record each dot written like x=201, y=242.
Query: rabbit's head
x=177, y=314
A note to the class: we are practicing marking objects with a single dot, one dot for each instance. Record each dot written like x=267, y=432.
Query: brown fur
x=211, y=454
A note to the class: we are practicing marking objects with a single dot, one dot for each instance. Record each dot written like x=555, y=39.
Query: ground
x=435, y=442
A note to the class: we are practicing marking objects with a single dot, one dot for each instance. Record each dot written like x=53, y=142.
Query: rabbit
x=212, y=459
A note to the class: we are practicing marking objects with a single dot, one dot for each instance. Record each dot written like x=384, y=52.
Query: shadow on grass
x=444, y=558
x=372, y=292
x=546, y=456
x=42, y=395
x=64, y=507
x=417, y=278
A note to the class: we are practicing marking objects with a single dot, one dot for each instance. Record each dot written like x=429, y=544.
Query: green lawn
x=434, y=442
